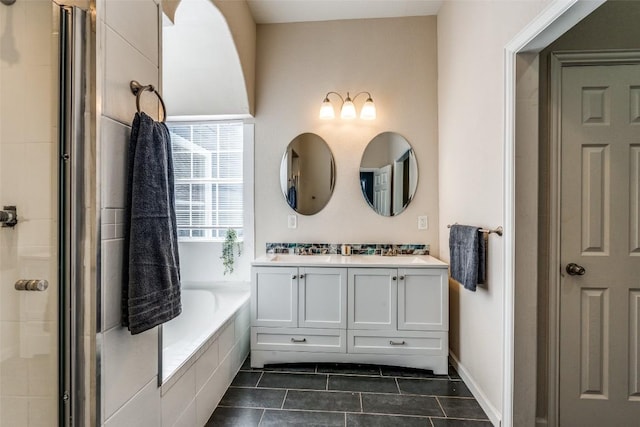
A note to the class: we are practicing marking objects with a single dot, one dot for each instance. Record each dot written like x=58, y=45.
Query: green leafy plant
x=230, y=247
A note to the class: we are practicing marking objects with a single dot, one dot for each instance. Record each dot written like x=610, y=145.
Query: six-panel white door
x=600, y=231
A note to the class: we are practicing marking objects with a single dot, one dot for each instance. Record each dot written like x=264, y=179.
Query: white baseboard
x=494, y=416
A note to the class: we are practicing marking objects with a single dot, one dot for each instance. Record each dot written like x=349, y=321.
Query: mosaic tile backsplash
x=334, y=248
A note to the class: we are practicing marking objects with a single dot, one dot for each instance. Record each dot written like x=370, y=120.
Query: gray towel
x=468, y=254
x=151, y=276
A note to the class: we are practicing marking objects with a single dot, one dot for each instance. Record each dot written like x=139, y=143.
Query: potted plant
x=230, y=246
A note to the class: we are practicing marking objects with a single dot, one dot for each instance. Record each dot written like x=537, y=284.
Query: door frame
x=558, y=17
x=558, y=61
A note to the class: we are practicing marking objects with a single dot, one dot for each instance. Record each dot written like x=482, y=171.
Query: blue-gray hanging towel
x=467, y=255
x=151, y=276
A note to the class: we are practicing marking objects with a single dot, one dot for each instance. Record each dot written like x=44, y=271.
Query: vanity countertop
x=403, y=261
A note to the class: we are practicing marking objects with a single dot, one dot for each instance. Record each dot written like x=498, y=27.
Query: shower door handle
x=31, y=285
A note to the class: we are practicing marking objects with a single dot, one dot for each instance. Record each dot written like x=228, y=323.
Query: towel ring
x=137, y=89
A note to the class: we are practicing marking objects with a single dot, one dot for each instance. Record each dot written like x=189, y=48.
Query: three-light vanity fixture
x=348, y=109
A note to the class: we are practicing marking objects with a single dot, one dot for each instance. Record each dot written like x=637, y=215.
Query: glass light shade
x=326, y=110
x=348, y=111
x=368, y=110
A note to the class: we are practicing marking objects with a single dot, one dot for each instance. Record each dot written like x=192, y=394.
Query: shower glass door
x=29, y=94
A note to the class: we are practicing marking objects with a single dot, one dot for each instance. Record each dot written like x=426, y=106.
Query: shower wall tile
x=37, y=35
x=111, y=282
x=126, y=17
x=141, y=411
x=13, y=105
x=14, y=411
x=115, y=147
x=129, y=363
x=126, y=63
x=40, y=88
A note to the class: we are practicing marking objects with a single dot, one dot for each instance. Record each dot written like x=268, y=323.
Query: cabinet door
x=322, y=298
x=274, y=296
x=373, y=294
x=423, y=300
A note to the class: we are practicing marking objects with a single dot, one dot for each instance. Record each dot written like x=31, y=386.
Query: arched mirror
x=307, y=174
x=388, y=174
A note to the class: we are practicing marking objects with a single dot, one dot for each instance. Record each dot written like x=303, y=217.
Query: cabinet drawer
x=405, y=342
x=299, y=339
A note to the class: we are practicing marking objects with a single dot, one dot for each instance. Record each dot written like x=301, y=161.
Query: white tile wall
x=212, y=392
x=111, y=282
x=206, y=365
x=128, y=17
x=126, y=63
x=129, y=363
x=143, y=410
x=115, y=147
x=188, y=418
x=226, y=340
x=179, y=397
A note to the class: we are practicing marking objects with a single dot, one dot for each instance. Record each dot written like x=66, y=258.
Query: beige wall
x=203, y=74
x=297, y=64
x=471, y=41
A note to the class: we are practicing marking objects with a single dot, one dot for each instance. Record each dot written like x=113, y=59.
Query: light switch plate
x=423, y=222
x=292, y=221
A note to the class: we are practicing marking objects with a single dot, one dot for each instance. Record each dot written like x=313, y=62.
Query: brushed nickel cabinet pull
x=297, y=340
x=396, y=342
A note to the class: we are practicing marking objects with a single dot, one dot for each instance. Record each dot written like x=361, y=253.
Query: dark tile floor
x=347, y=395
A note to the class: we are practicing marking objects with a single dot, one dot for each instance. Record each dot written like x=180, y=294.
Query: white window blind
x=207, y=162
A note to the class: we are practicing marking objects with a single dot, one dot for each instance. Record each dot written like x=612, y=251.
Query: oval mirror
x=388, y=174
x=307, y=174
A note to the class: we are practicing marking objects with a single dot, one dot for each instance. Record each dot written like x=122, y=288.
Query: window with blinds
x=207, y=161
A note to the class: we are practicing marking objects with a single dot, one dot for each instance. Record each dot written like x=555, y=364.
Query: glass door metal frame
x=74, y=27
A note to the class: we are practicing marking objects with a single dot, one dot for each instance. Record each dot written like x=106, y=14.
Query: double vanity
x=390, y=310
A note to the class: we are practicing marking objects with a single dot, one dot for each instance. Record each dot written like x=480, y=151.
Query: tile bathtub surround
x=335, y=248
x=333, y=394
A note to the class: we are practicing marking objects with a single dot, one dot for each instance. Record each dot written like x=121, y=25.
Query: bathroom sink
x=302, y=259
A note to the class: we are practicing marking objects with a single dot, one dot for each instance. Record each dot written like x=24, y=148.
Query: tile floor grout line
x=394, y=414
x=431, y=422
x=441, y=408
x=356, y=391
x=398, y=386
x=462, y=418
x=326, y=386
x=286, y=393
x=345, y=419
x=262, y=416
x=259, y=379
x=361, y=405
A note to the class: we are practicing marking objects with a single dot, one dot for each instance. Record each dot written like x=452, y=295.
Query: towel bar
x=498, y=230
x=137, y=89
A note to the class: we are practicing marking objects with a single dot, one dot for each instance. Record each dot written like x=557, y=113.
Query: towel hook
x=137, y=89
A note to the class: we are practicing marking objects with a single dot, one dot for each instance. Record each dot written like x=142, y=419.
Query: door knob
x=574, y=269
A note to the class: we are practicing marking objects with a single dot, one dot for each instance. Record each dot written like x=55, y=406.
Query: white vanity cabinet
x=352, y=313
x=299, y=308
